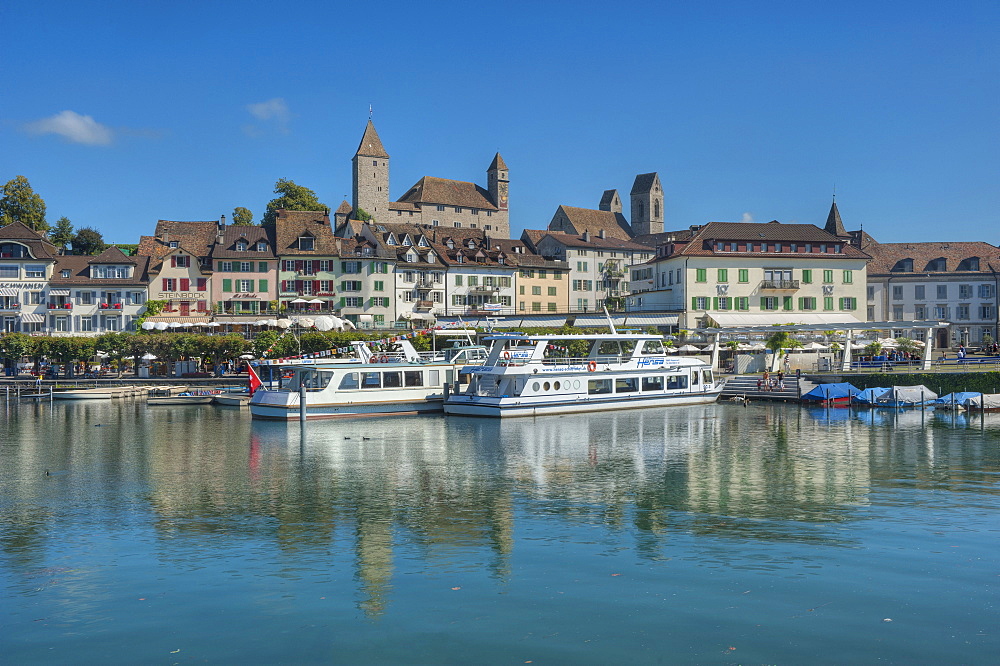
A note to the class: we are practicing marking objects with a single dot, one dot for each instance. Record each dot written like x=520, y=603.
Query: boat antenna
x=611, y=323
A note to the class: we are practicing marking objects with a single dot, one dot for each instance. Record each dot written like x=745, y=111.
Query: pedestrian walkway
x=745, y=386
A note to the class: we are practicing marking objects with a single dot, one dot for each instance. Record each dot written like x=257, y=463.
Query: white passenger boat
x=527, y=375
x=379, y=386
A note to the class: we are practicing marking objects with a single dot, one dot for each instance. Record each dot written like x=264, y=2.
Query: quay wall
x=941, y=382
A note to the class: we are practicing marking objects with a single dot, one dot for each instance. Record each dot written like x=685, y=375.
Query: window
x=536, y=291
x=599, y=386
x=769, y=303
x=942, y=312
x=942, y=291
x=962, y=312
x=536, y=306
x=743, y=303
x=87, y=324
x=306, y=243
x=897, y=292
x=261, y=246
x=379, y=285
x=985, y=291
x=9, y=272
x=965, y=291
x=350, y=285
x=723, y=303
x=65, y=272
x=581, y=266
x=86, y=297
x=701, y=275
x=354, y=302
x=807, y=303
x=350, y=267
x=241, y=247
x=34, y=271
x=473, y=280
x=181, y=261
x=848, y=303
x=723, y=275
x=828, y=277
x=626, y=384
x=848, y=277
x=918, y=292
x=247, y=266
x=897, y=312
x=699, y=303
x=871, y=293
x=552, y=291
x=986, y=312
x=920, y=312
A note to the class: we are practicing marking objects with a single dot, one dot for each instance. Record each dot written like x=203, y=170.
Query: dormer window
x=410, y=257
x=307, y=243
x=173, y=244
x=241, y=246
x=451, y=244
x=423, y=242
x=366, y=251
x=939, y=264
x=969, y=264
x=460, y=258
x=431, y=257
x=500, y=260
x=261, y=246
x=471, y=244
x=390, y=240
x=65, y=272
x=406, y=241
x=903, y=266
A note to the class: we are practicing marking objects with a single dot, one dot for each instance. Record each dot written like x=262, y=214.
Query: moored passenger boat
x=527, y=375
x=377, y=387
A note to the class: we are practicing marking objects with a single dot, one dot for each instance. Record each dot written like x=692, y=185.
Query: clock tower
x=498, y=182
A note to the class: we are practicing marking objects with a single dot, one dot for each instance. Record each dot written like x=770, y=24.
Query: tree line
x=20, y=203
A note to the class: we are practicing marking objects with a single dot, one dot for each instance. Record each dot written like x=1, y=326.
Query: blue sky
x=122, y=113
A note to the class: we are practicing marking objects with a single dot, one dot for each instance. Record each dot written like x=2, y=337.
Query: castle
x=431, y=201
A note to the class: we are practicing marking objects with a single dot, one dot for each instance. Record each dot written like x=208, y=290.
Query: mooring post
x=302, y=404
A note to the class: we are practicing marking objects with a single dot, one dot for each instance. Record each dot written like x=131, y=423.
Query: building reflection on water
x=457, y=492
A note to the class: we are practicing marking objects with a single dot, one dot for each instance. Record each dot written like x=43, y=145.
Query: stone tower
x=498, y=185
x=371, y=176
x=834, y=225
x=647, y=204
x=610, y=201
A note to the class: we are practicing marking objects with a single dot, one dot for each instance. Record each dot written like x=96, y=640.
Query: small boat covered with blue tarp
x=957, y=400
x=869, y=396
x=831, y=394
x=907, y=396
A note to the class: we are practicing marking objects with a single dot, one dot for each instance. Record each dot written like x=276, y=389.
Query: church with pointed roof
x=431, y=201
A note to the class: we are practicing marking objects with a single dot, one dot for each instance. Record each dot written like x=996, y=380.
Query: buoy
x=592, y=366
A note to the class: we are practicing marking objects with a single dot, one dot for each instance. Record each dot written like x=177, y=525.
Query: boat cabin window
x=615, y=347
x=465, y=355
x=626, y=385
x=652, y=347
x=677, y=381
x=311, y=379
x=706, y=376
x=652, y=383
x=434, y=378
x=392, y=379
x=371, y=380
x=599, y=386
x=695, y=376
x=413, y=378
x=349, y=381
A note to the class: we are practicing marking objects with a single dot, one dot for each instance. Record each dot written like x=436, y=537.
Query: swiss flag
x=255, y=382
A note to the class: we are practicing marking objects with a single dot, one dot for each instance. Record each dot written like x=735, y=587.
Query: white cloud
x=74, y=128
x=273, y=110
x=747, y=217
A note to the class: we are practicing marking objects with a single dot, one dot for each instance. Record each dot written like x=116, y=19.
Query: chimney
x=600, y=233
x=586, y=236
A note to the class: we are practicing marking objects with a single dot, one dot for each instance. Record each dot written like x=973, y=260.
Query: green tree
x=872, y=348
x=14, y=347
x=20, y=203
x=906, y=345
x=88, y=241
x=242, y=216
x=778, y=342
x=362, y=215
x=292, y=197
x=115, y=345
x=62, y=234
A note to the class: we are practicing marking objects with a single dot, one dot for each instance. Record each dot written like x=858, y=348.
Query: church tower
x=647, y=205
x=371, y=176
x=610, y=201
x=498, y=184
x=834, y=225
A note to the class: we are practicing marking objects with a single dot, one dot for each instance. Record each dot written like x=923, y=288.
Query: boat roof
x=575, y=336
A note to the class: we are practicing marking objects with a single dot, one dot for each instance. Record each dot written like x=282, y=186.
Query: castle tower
x=371, y=175
x=647, y=204
x=498, y=184
x=610, y=201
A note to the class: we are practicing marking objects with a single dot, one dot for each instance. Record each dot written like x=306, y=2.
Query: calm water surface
x=716, y=534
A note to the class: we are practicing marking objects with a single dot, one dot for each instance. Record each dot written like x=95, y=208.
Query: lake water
x=714, y=534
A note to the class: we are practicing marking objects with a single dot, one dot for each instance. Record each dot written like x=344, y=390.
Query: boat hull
x=315, y=411
x=181, y=400
x=516, y=407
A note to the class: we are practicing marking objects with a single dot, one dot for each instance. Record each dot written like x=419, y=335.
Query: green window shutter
x=801, y=303
x=788, y=303
x=227, y=286
x=694, y=303
x=807, y=276
x=261, y=266
x=763, y=302
x=341, y=301
x=701, y=275
x=342, y=288
x=715, y=302
x=828, y=302
x=261, y=285
x=744, y=275
x=723, y=275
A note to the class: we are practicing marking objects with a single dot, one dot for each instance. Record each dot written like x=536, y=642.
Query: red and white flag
x=255, y=382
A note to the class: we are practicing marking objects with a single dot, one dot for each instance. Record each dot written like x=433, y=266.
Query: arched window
x=656, y=209
x=640, y=212
x=13, y=251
